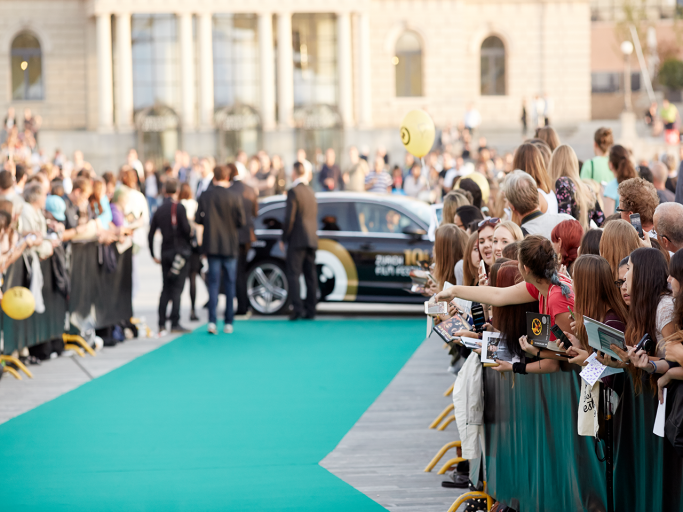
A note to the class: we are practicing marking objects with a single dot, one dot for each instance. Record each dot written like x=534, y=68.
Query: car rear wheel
x=267, y=287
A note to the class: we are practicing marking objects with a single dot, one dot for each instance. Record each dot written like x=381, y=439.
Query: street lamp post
x=627, y=50
x=629, y=136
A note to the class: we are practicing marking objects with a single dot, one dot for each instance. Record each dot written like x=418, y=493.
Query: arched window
x=27, y=68
x=408, y=64
x=492, y=67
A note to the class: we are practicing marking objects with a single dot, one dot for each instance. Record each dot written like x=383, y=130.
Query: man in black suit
x=171, y=219
x=246, y=233
x=300, y=234
x=221, y=213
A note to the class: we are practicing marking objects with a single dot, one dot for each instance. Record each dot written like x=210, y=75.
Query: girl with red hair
x=566, y=238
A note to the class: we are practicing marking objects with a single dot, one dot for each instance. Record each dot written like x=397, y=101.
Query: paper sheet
x=596, y=370
x=660, y=418
x=591, y=373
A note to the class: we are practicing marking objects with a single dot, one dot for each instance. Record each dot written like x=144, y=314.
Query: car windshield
x=421, y=210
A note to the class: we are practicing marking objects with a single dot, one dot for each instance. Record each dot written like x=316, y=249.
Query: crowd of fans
x=560, y=237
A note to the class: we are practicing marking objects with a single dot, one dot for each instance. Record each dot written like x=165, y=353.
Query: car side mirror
x=414, y=231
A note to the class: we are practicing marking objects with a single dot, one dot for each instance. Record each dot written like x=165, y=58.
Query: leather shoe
x=294, y=316
x=457, y=481
x=308, y=317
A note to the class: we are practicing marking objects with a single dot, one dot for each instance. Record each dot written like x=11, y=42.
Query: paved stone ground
x=385, y=453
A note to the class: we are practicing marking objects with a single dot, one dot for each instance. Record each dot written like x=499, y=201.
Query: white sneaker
x=227, y=329
x=212, y=328
x=162, y=333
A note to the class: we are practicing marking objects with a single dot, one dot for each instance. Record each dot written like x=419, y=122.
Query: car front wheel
x=267, y=287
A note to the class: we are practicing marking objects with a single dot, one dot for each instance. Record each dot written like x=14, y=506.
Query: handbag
x=587, y=417
x=673, y=426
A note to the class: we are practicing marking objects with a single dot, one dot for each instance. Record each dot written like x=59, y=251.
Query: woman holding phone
x=651, y=311
x=538, y=267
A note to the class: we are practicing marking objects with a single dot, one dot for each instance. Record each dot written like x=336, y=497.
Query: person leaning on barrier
x=538, y=266
x=33, y=220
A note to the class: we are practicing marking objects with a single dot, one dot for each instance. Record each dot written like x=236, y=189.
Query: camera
x=645, y=344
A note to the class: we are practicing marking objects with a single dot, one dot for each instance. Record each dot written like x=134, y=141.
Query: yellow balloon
x=483, y=183
x=417, y=132
x=18, y=303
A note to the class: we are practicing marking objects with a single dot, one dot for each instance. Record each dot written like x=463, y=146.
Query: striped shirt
x=382, y=181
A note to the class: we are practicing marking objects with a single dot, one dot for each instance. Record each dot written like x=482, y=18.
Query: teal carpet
x=230, y=423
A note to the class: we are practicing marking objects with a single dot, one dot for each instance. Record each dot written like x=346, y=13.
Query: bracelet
x=654, y=366
x=519, y=368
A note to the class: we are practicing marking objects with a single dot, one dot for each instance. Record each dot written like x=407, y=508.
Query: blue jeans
x=229, y=268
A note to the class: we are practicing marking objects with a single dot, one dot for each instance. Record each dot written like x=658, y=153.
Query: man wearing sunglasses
x=521, y=193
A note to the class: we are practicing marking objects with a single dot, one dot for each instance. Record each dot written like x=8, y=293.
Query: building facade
x=215, y=76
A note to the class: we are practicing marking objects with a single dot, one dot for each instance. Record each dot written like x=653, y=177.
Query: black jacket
x=250, y=204
x=221, y=212
x=301, y=218
x=175, y=240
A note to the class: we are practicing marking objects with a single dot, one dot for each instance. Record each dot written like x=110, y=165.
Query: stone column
x=105, y=89
x=187, y=82
x=364, y=71
x=205, y=39
x=344, y=69
x=124, y=73
x=267, y=70
x=285, y=69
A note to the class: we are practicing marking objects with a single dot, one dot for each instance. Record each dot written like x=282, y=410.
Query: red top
x=557, y=303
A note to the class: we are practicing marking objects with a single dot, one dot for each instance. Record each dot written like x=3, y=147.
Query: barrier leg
x=470, y=496
x=448, y=421
x=75, y=348
x=441, y=416
x=11, y=371
x=449, y=465
x=449, y=391
x=441, y=453
x=18, y=364
x=76, y=338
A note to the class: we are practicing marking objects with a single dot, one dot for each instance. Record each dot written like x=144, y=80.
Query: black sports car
x=368, y=245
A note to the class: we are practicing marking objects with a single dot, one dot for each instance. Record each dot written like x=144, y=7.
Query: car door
x=387, y=252
x=337, y=246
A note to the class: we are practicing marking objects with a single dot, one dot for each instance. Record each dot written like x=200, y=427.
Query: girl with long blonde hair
x=618, y=240
x=574, y=197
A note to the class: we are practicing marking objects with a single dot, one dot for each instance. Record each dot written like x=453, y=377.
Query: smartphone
x=571, y=313
x=436, y=308
x=478, y=317
x=562, y=339
x=645, y=344
x=482, y=267
x=635, y=222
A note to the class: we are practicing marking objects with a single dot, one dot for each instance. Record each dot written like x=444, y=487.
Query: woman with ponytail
x=622, y=167
x=538, y=267
x=566, y=239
